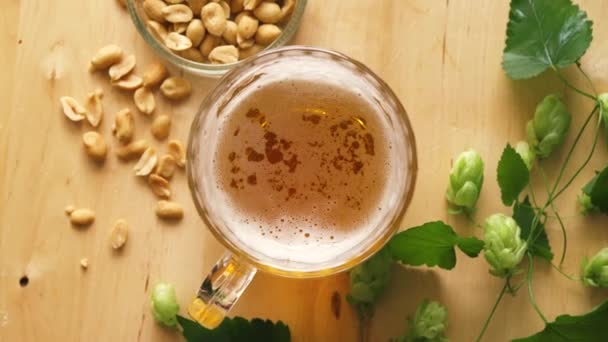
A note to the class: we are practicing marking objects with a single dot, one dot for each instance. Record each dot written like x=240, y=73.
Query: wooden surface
x=442, y=58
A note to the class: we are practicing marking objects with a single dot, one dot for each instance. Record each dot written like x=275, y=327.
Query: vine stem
x=558, y=269
x=530, y=292
x=569, y=85
x=578, y=66
x=559, y=219
x=487, y=322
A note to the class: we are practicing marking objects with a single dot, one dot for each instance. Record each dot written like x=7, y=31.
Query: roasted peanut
x=161, y=126
x=247, y=26
x=236, y=6
x=196, y=6
x=154, y=10
x=177, y=13
x=174, y=2
x=192, y=54
x=268, y=12
x=106, y=57
x=166, y=166
x=226, y=8
x=82, y=217
x=214, y=18
x=196, y=32
x=146, y=163
x=84, y=263
x=179, y=27
x=224, y=54
x=176, y=88
x=249, y=5
x=72, y=109
x=245, y=53
x=158, y=30
x=132, y=150
x=208, y=44
x=177, y=151
x=122, y=68
x=144, y=100
x=129, y=82
x=69, y=209
x=244, y=43
x=154, y=75
x=229, y=34
x=169, y=210
x=287, y=9
x=159, y=186
x=267, y=34
x=177, y=42
x=95, y=112
x=119, y=234
x=124, y=126
x=95, y=146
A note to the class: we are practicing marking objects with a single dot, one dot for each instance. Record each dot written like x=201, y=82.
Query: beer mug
x=301, y=162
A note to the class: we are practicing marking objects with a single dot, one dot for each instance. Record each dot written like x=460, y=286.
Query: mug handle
x=220, y=290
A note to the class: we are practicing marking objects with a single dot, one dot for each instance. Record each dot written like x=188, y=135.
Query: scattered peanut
x=247, y=26
x=268, y=12
x=154, y=10
x=95, y=112
x=124, y=126
x=158, y=30
x=144, y=100
x=214, y=18
x=177, y=42
x=176, y=88
x=69, y=209
x=168, y=210
x=224, y=54
x=106, y=57
x=159, y=186
x=132, y=150
x=166, y=166
x=154, y=75
x=267, y=33
x=82, y=217
x=161, y=126
x=95, y=146
x=84, y=263
x=129, y=82
x=177, y=151
x=122, y=68
x=196, y=32
x=72, y=109
x=177, y=13
x=146, y=163
x=119, y=234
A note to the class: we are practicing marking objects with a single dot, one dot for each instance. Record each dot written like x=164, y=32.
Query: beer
x=303, y=169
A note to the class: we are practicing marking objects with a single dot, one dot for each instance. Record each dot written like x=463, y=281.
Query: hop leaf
x=466, y=180
x=164, y=304
x=595, y=271
x=549, y=126
x=526, y=153
x=504, y=247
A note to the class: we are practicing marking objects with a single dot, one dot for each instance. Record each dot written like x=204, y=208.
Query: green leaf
x=431, y=244
x=543, y=34
x=524, y=214
x=236, y=329
x=599, y=191
x=470, y=246
x=590, y=327
x=512, y=175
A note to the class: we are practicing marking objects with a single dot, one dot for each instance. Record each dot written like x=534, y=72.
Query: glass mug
x=235, y=270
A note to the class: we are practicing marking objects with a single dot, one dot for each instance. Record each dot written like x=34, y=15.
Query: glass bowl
x=140, y=18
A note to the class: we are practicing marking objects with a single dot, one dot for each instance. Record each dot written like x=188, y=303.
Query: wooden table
x=442, y=58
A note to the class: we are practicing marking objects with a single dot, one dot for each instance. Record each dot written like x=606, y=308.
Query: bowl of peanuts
x=210, y=37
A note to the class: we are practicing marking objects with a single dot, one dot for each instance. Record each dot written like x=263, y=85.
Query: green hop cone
x=429, y=323
x=526, y=153
x=164, y=304
x=595, y=271
x=504, y=247
x=369, y=280
x=548, y=128
x=466, y=179
x=585, y=205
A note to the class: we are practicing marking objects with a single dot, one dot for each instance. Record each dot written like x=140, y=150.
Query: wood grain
x=442, y=58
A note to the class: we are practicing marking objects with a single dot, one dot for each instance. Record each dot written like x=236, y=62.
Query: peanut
x=177, y=42
x=229, y=34
x=244, y=43
x=196, y=6
x=129, y=82
x=267, y=34
x=69, y=209
x=249, y=5
x=176, y=88
x=247, y=26
x=95, y=146
x=158, y=30
x=154, y=75
x=159, y=186
x=144, y=100
x=224, y=54
x=82, y=217
x=173, y=2
x=132, y=150
x=208, y=44
x=236, y=6
x=161, y=126
x=177, y=151
x=154, y=10
x=268, y=12
x=95, y=112
x=179, y=27
x=287, y=9
x=192, y=54
x=177, y=13
x=166, y=166
x=196, y=32
x=168, y=210
x=214, y=18
x=106, y=57
x=84, y=263
x=122, y=68
x=146, y=163
x=124, y=126
x=226, y=8
x=248, y=52
x=119, y=234
x=72, y=109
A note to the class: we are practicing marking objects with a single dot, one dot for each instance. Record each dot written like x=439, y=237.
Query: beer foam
x=303, y=170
